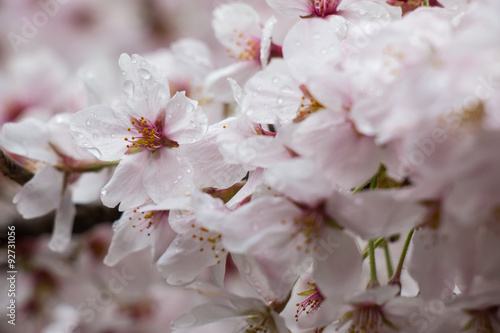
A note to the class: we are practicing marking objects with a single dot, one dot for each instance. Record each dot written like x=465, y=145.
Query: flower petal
x=41, y=194
x=185, y=121
x=102, y=131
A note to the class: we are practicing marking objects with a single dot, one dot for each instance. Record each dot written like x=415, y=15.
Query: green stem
x=375, y=244
x=388, y=261
x=373, y=267
x=396, y=279
x=90, y=167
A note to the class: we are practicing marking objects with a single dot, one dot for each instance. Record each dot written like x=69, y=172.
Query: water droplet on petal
x=95, y=136
x=144, y=73
x=93, y=114
x=133, y=60
x=104, y=192
x=179, y=177
x=323, y=51
x=88, y=122
x=362, y=11
x=113, y=135
x=115, y=224
x=176, y=181
x=279, y=101
x=193, y=124
x=188, y=170
x=276, y=79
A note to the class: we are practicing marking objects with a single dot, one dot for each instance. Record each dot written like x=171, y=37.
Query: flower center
x=481, y=321
x=148, y=221
x=367, y=319
x=308, y=105
x=311, y=303
x=324, y=8
x=309, y=225
x=148, y=135
x=209, y=241
x=245, y=47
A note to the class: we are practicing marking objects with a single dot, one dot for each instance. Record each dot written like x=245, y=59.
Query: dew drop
x=144, y=73
x=93, y=114
x=193, y=124
x=188, y=170
x=323, y=51
x=104, y=192
x=95, y=136
x=362, y=11
x=115, y=224
x=124, y=73
x=179, y=177
x=85, y=144
x=113, y=135
x=276, y=79
x=279, y=100
x=176, y=181
x=88, y=122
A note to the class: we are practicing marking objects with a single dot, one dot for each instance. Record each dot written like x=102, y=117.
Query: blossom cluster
x=339, y=179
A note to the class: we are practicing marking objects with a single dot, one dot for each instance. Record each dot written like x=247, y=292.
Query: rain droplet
x=279, y=101
x=85, y=144
x=176, y=181
x=193, y=124
x=95, y=136
x=188, y=170
x=144, y=73
x=275, y=79
x=179, y=177
x=104, y=192
x=88, y=122
x=115, y=224
x=113, y=135
x=323, y=51
x=93, y=114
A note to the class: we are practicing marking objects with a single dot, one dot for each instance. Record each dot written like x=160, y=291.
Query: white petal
x=292, y=7
x=216, y=82
x=41, y=194
x=126, y=185
x=146, y=89
x=238, y=17
x=205, y=314
x=185, y=121
x=167, y=174
x=28, y=138
x=63, y=224
x=312, y=45
x=337, y=269
x=102, y=131
x=271, y=97
x=265, y=42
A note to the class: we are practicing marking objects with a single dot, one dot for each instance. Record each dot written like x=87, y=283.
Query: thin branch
x=15, y=171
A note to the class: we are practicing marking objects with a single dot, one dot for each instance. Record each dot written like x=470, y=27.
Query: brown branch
x=87, y=216
x=15, y=171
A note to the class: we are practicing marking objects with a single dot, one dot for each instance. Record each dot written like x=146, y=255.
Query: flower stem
x=396, y=279
x=376, y=244
x=373, y=283
x=388, y=261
